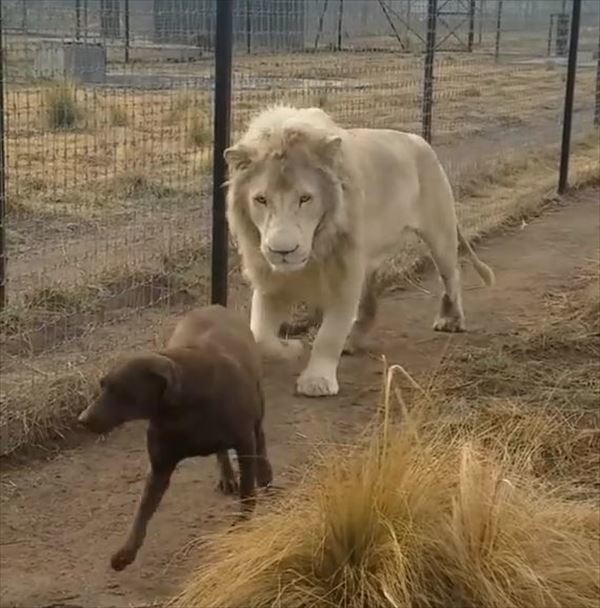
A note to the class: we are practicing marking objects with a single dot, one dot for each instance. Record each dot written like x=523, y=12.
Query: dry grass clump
x=484, y=495
x=428, y=514
x=61, y=107
x=47, y=411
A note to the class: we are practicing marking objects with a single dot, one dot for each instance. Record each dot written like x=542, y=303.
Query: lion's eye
x=260, y=200
x=305, y=198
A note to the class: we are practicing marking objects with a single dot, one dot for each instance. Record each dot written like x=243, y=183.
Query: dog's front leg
x=268, y=312
x=320, y=376
x=157, y=482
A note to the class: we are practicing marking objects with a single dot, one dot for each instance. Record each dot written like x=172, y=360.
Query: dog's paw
x=317, y=384
x=122, y=558
x=449, y=324
x=228, y=485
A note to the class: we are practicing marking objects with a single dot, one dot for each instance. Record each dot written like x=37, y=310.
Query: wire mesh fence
x=108, y=108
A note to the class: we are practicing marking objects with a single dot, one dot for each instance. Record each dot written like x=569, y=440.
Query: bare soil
x=62, y=518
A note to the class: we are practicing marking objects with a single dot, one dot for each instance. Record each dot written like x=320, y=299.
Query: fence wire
x=108, y=136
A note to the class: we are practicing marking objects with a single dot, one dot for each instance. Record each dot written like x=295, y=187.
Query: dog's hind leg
x=157, y=482
x=227, y=482
x=246, y=453
x=264, y=472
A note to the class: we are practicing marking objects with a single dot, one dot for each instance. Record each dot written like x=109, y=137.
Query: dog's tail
x=483, y=270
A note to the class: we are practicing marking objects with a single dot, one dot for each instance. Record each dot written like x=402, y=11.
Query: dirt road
x=61, y=519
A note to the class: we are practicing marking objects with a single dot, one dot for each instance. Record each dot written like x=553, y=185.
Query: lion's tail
x=483, y=270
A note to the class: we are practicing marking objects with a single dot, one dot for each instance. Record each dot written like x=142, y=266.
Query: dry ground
x=62, y=518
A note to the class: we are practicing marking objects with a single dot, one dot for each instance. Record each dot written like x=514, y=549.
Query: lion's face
x=283, y=186
x=286, y=204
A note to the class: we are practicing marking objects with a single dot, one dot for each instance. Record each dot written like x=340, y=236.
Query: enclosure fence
x=115, y=114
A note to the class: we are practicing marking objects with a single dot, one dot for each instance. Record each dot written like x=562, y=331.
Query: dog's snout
x=283, y=252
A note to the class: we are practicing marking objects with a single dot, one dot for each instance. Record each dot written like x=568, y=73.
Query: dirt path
x=61, y=519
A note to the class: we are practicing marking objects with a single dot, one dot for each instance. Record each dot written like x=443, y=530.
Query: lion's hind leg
x=443, y=245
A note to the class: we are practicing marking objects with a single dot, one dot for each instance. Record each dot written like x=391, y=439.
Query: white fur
x=315, y=209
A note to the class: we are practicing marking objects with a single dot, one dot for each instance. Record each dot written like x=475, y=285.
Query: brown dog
x=202, y=396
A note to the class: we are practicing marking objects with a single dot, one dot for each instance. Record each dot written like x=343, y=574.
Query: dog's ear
x=168, y=373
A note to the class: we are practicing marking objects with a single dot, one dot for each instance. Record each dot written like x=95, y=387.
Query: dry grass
x=168, y=133
x=457, y=498
x=61, y=107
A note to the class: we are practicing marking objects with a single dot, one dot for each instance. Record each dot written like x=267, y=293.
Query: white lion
x=315, y=209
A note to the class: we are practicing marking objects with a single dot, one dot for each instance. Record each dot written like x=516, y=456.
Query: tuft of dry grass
x=479, y=492
x=47, y=410
x=427, y=514
x=118, y=116
x=61, y=107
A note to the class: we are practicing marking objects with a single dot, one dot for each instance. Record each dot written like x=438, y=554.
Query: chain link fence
x=108, y=140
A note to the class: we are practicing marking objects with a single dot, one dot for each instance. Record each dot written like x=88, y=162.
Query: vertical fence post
x=3, y=294
x=597, y=106
x=471, y=26
x=339, y=24
x=222, y=128
x=248, y=27
x=498, y=31
x=569, y=97
x=481, y=20
x=550, y=30
x=427, y=107
x=126, y=27
x=77, y=20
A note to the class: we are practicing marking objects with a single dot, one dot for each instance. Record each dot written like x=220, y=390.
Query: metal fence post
x=339, y=24
x=222, y=128
x=498, y=31
x=3, y=294
x=126, y=27
x=597, y=106
x=427, y=107
x=77, y=20
x=248, y=27
x=569, y=97
x=471, y=26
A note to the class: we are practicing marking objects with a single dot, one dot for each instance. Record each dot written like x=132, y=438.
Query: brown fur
x=202, y=395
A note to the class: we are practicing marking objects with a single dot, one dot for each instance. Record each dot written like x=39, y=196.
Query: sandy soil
x=61, y=519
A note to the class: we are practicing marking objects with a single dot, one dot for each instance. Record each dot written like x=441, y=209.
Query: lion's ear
x=329, y=147
x=238, y=157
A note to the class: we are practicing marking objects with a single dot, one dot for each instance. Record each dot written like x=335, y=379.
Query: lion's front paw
x=450, y=324
x=316, y=384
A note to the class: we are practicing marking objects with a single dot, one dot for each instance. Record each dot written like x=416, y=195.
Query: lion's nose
x=283, y=252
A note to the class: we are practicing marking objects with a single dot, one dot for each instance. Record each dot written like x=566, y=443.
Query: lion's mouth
x=289, y=265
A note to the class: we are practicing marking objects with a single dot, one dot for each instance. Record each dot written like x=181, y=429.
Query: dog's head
x=134, y=390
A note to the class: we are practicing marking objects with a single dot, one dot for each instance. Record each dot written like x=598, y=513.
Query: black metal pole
x=77, y=19
x=427, y=107
x=569, y=97
x=248, y=27
x=597, y=106
x=550, y=29
x=320, y=26
x=471, y=26
x=126, y=25
x=481, y=19
x=3, y=294
x=498, y=31
x=340, y=21
x=222, y=114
